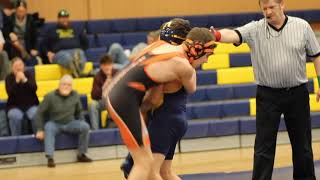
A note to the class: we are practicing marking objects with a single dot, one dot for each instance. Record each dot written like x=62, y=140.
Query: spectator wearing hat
x=65, y=46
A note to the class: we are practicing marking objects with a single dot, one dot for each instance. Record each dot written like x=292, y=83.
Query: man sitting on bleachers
x=61, y=112
x=102, y=78
x=65, y=46
x=22, y=101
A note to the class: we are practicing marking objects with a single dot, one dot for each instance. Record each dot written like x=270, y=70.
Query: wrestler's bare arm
x=152, y=99
x=187, y=75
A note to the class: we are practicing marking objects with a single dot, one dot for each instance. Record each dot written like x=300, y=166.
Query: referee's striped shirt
x=279, y=55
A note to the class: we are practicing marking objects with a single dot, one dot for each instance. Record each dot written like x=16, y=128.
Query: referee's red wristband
x=217, y=34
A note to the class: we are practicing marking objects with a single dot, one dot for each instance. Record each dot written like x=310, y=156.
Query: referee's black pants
x=293, y=103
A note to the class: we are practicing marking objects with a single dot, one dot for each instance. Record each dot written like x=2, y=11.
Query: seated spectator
x=61, y=112
x=119, y=55
x=65, y=46
x=22, y=101
x=102, y=78
x=21, y=31
x=4, y=60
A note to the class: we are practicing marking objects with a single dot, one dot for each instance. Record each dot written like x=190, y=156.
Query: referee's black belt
x=284, y=89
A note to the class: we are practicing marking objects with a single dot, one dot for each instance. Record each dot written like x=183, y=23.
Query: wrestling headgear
x=172, y=36
x=197, y=49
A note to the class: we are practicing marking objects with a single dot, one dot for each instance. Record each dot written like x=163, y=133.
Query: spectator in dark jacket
x=21, y=31
x=65, y=46
x=22, y=98
x=101, y=79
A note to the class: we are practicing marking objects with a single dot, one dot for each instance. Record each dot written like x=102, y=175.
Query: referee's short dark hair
x=106, y=59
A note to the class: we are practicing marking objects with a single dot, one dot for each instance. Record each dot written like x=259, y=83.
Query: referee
x=279, y=47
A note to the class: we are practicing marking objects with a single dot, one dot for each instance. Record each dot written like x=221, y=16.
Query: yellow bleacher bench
x=83, y=85
x=311, y=72
x=3, y=92
x=217, y=61
x=314, y=105
x=230, y=48
x=103, y=119
x=55, y=72
x=44, y=87
x=252, y=102
x=47, y=72
x=235, y=75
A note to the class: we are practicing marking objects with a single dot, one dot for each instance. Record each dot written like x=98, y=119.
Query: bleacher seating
x=108, y=137
x=223, y=105
x=105, y=40
x=206, y=77
x=240, y=59
x=94, y=54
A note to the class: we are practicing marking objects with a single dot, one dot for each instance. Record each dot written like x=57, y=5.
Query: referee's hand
x=318, y=95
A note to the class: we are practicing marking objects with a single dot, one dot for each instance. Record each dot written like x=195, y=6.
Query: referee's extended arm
x=226, y=35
